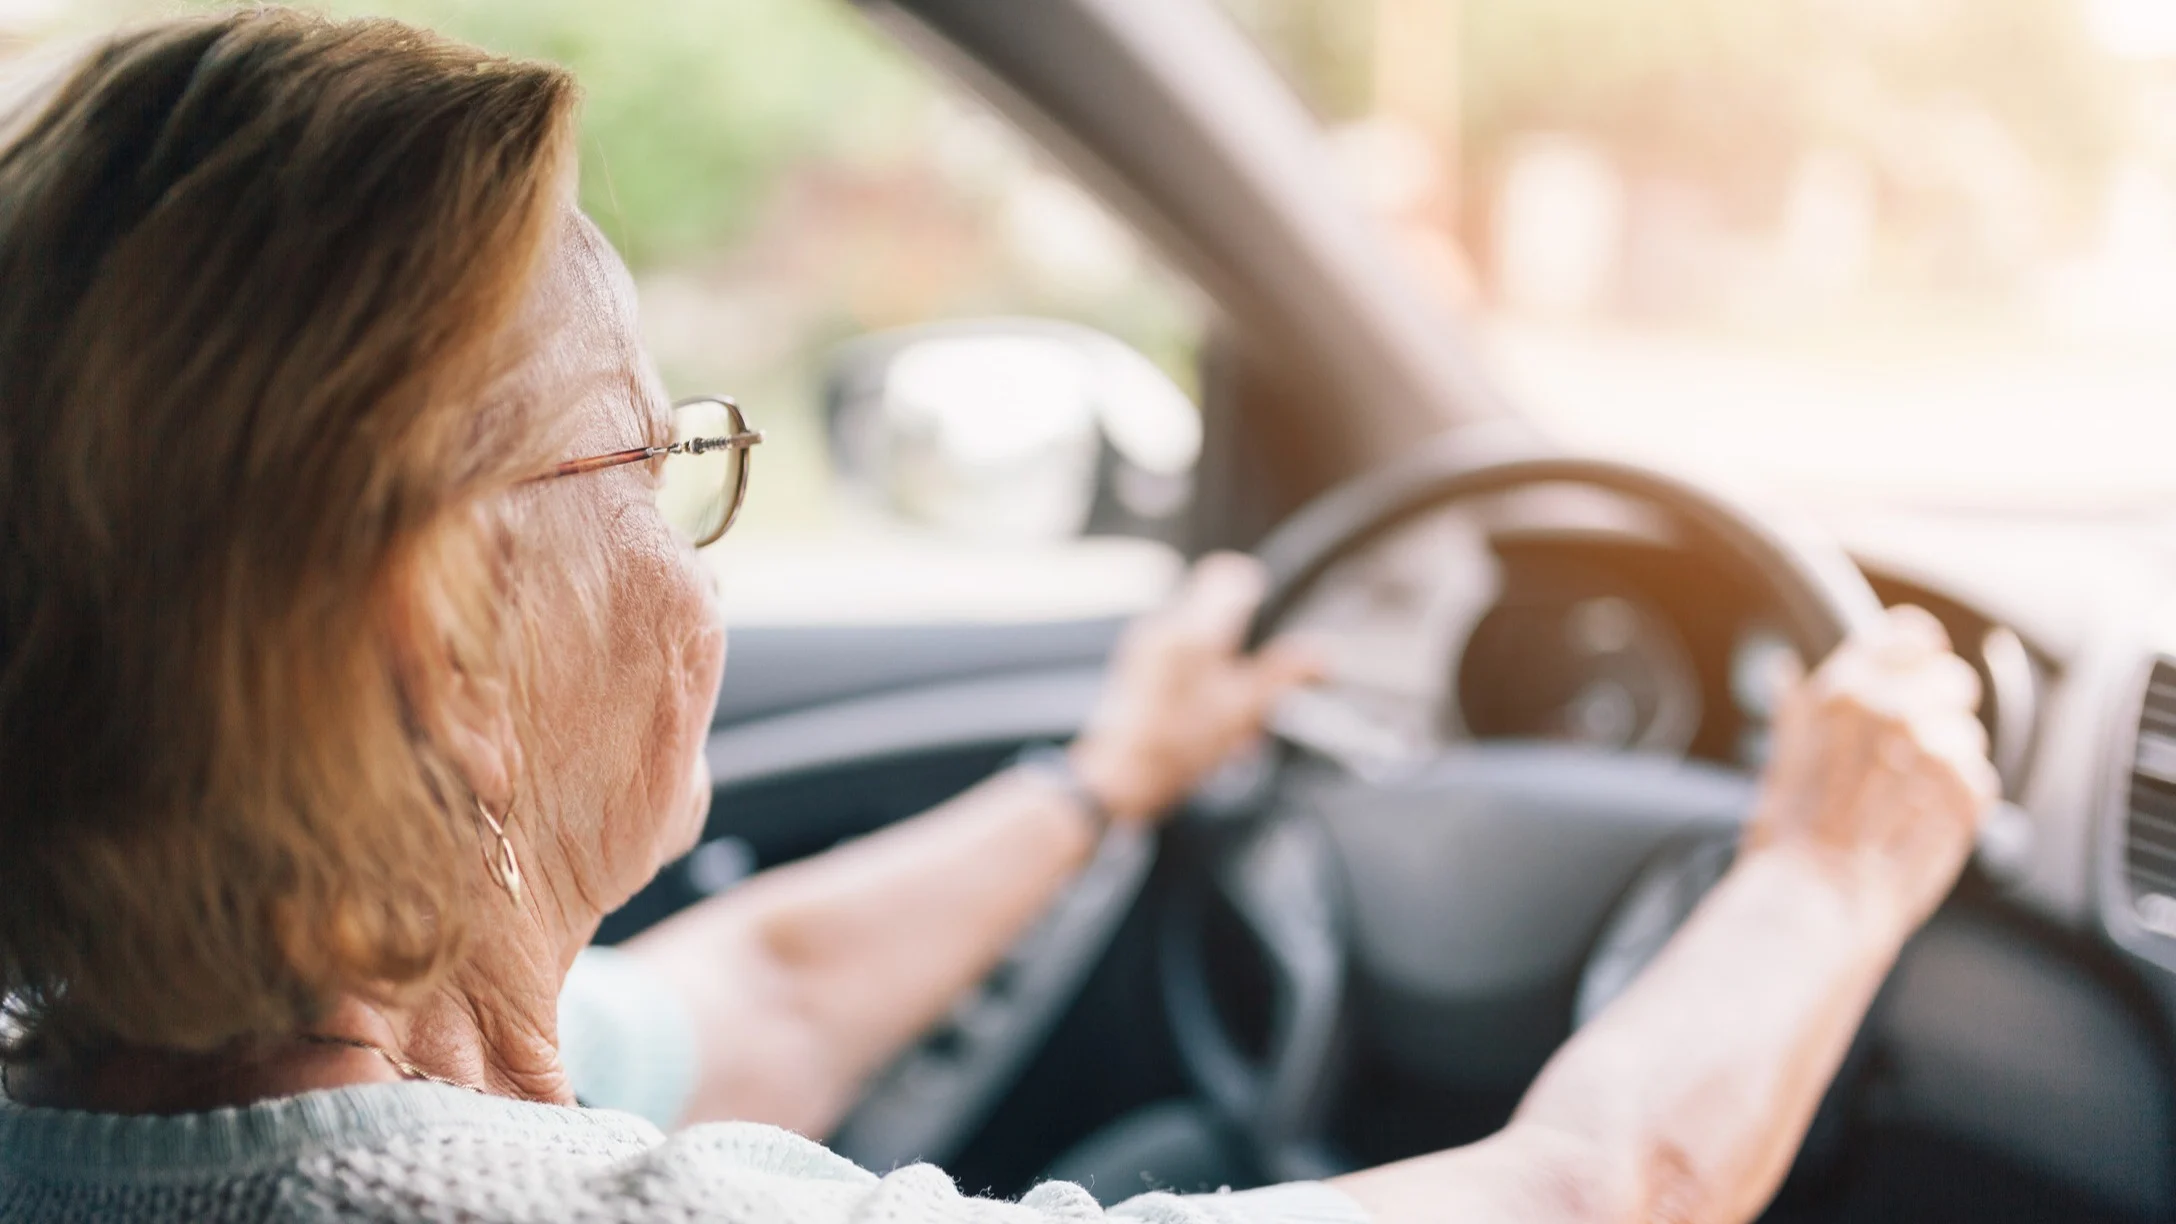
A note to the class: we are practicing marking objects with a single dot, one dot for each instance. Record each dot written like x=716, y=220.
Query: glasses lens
x=700, y=493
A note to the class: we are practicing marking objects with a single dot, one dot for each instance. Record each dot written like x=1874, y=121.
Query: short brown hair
x=256, y=267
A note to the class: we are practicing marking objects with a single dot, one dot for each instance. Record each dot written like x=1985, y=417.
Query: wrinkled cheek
x=703, y=670
x=704, y=660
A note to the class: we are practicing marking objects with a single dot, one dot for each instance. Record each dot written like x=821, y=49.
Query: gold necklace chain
x=402, y=1065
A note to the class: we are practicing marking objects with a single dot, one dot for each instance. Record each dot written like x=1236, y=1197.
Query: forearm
x=1686, y=1098
x=880, y=936
x=817, y=973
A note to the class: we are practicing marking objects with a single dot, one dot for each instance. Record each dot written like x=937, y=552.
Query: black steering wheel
x=1467, y=891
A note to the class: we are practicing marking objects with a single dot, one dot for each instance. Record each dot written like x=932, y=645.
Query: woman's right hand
x=1880, y=772
x=1183, y=694
x=1687, y=1097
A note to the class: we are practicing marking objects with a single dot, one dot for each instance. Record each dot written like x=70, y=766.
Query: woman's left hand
x=1181, y=695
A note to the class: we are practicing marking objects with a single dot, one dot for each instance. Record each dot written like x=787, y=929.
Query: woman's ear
x=463, y=709
x=475, y=729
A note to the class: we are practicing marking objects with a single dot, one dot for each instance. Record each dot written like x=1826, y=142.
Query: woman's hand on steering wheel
x=1880, y=769
x=1182, y=696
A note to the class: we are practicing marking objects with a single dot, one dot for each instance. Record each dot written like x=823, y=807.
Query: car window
x=784, y=180
x=1914, y=250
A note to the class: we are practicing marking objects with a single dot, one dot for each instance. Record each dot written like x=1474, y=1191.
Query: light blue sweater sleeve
x=626, y=1038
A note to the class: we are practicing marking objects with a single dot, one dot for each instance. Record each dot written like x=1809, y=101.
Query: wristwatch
x=1055, y=766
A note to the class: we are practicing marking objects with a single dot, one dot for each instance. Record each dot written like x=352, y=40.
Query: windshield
x=1917, y=250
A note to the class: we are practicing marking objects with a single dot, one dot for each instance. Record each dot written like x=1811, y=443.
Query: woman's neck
x=493, y=1027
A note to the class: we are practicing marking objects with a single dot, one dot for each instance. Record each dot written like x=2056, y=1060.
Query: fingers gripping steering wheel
x=1470, y=886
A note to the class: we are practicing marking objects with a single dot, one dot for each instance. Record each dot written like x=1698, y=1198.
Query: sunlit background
x=1918, y=251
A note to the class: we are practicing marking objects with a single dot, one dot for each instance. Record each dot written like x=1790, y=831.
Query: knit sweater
x=381, y=1153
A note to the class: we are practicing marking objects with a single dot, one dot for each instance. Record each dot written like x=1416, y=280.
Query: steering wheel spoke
x=1278, y=880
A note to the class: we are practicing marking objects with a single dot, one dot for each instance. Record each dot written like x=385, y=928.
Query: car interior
x=1553, y=677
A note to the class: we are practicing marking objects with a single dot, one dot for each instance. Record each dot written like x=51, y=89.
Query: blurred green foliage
x=694, y=108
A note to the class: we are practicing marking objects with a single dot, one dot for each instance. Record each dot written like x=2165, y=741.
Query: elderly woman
x=355, y=660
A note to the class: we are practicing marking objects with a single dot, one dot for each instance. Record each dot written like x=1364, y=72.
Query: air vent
x=2149, y=843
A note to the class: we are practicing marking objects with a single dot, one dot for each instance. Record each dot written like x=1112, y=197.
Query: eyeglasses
x=705, y=477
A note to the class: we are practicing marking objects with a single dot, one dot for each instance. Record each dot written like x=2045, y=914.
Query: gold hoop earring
x=499, y=859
